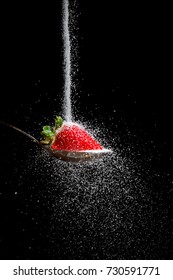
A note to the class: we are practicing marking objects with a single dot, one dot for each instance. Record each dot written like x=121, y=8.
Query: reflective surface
x=77, y=156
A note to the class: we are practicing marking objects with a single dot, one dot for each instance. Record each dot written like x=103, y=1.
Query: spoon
x=71, y=156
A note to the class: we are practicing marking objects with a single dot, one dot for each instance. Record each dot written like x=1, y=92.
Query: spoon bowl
x=76, y=156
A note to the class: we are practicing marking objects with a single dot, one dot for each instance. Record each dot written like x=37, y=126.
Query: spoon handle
x=21, y=131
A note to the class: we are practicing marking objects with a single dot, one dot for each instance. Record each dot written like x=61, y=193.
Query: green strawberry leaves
x=58, y=122
x=49, y=132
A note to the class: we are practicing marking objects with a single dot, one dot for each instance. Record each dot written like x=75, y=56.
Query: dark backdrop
x=123, y=79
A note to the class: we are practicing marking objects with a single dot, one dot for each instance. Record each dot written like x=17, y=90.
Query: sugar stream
x=67, y=63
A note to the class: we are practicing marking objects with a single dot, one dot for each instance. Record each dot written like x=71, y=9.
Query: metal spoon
x=73, y=156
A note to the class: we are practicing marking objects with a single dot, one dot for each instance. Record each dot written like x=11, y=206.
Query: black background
x=123, y=67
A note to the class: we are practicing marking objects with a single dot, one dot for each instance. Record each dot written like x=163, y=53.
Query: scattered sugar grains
x=100, y=209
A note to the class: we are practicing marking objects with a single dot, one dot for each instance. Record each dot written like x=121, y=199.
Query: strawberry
x=69, y=137
x=72, y=137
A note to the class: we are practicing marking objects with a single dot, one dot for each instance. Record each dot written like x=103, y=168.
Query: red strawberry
x=68, y=137
x=72, y=137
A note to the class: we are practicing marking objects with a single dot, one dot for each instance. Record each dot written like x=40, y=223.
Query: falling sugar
x=67, y=63
x=105, y=209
